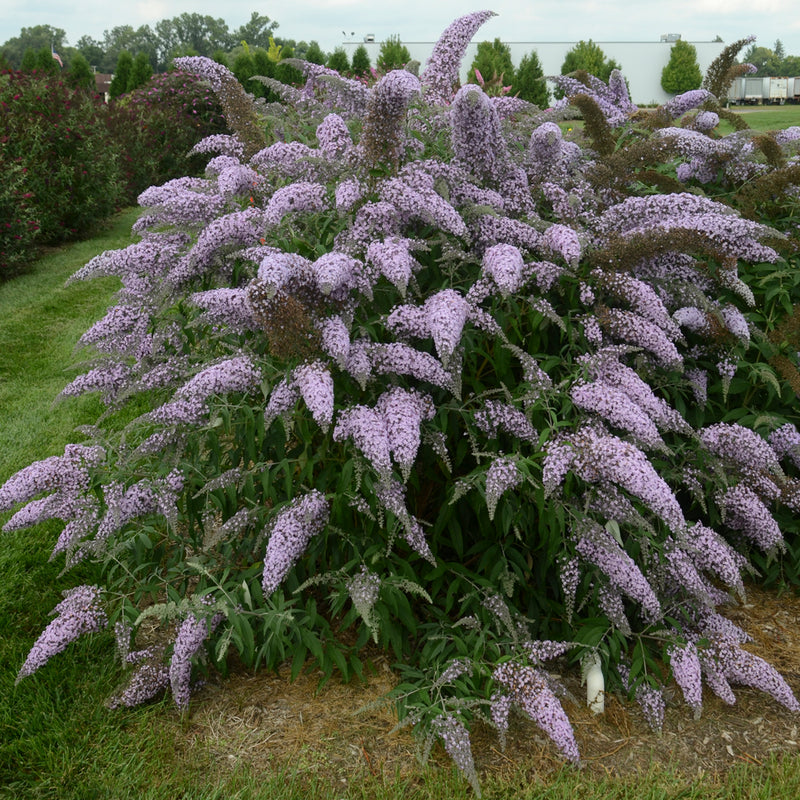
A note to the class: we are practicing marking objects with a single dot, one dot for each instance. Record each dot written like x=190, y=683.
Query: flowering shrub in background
x=156, y=126
x=69, y=160
x=425, y=372
x=56, y=134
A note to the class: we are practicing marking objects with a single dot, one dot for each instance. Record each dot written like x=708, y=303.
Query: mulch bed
x=267, y=721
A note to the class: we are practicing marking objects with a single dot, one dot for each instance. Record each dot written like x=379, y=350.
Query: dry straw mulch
x=266, y=721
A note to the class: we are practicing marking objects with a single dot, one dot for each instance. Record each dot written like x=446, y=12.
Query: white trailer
x=755, y=89
x=778, y=90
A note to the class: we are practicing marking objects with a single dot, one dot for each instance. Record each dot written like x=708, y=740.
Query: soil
x=265, y=720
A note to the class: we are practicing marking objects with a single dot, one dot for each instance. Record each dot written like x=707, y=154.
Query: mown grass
x=765, y=118
x=57, y=738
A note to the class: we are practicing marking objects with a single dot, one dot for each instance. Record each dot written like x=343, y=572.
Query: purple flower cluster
x=414, y=197
x=226, y=308
x=192, y=633
x=599, y=457
x=391, y=495
x=334, y=137
x=149, y=678
x=440, y=77
x=300, y=197
x=393, y=259
x=744, y=511
x=455, y=739
x=727, y=231
x=649, y=698
x=617, y=408
x=315, y=384
x=599, y=548
x=293, y=160
x=477, y=139
x=79, y=612
x=189, y=405
x=364, y=588
x=687, y=671
x=549, y=157
x=747, y=453
x=612, y=99
x=681, y=103
x=291, y=530
x=496, y=415
x=503, y=264
x=785, y=441
x=110, y=380
x=502, y=475
x=632, y=328
x=529, y=689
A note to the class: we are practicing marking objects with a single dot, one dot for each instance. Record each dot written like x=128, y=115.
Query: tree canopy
x=529, y=81
x=493, y=62
x=682, y=72
x=393, y=54
x=588, y=56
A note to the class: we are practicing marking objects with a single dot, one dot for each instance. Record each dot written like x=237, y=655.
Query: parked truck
x=750, y=90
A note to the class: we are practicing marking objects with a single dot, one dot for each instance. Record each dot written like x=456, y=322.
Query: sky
x=330, y=22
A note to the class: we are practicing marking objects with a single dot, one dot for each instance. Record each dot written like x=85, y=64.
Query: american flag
x=57, y=57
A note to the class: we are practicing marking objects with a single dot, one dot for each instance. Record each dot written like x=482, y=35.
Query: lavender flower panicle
x=79, y=612
x=502, y=475
x=440, y=78
x=496, y=415
x=192, y=633
x=596, y=546
x=744, y=511
x=529, y=689
x=687, y=671
x=291, y=530
x=149, y=678
x=403, y=413
x=649, y=698
x=315, y=384
x=455, y=739
x=503, y=264
x=367, y=428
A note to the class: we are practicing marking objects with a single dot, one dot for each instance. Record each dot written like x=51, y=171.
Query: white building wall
x=641, y=62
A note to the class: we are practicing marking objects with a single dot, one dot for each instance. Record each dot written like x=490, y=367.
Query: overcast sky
x=424, y=20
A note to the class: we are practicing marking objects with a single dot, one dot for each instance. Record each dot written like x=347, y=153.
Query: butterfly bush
x=474, y=375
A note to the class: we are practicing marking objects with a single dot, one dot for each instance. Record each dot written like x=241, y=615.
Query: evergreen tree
x=314, y=53
x=45, y=61
x=286, y=73
x=361, y=63
x=338, y=60
x=529, y=83
x=80, y=72
x=244, y=67
x=392, y=55
x=493, y=61
x=122, y=74
x=28, y=63
x=589, y=57
x=682, y=72
x=141, y=72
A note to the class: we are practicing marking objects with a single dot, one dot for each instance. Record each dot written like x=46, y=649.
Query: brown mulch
x=265, y=720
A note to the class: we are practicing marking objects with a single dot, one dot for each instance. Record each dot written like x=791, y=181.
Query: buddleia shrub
x=156, y=126
x=19, y=228
x=57, y=135
x=478, y=403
